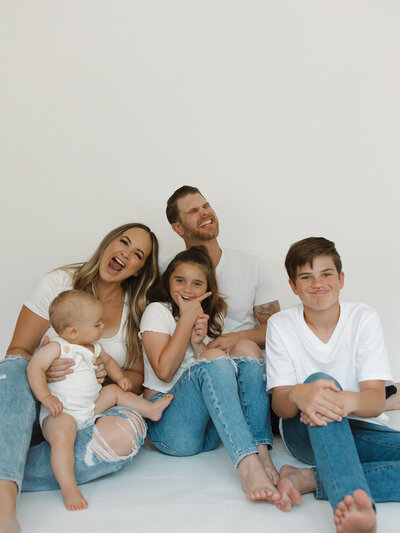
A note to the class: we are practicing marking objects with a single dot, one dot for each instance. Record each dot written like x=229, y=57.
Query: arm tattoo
x=265, y=311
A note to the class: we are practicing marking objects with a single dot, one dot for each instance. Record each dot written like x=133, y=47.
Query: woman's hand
x=101, y=372
x=199, y=330
x=59, y=368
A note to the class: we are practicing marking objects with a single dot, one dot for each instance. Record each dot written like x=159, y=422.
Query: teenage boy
x=326, y=368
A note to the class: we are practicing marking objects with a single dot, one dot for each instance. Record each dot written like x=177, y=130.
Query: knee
x=246, y=348
x=117, y=437
x=321, y=375
x=213, y=353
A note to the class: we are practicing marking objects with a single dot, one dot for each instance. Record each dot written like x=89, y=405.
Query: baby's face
x=90, y=328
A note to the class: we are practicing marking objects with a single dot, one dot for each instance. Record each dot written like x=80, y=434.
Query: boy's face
x=318, y=287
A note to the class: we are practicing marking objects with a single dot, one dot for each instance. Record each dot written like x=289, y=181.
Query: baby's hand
x=125, y=384
x=53, y=403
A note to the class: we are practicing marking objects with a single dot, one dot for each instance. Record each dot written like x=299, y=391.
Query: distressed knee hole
x=124, y=439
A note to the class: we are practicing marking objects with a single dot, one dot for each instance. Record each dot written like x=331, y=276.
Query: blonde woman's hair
x=137, y=289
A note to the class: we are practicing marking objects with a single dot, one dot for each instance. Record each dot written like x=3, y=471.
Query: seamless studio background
x=285, y=114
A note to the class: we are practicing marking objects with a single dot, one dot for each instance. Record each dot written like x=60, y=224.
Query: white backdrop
x=284, y=113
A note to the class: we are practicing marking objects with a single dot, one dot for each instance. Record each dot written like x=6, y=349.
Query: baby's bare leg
x=60, y=433
x=113, y=395
x=8, y=517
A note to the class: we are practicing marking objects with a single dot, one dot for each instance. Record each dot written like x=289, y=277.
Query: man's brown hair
x=172, y=203
x=305, y=251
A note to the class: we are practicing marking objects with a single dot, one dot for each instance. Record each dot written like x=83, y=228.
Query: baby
x=68, y=405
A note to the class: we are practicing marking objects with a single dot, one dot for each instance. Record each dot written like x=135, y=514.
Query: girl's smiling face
x=188, y=280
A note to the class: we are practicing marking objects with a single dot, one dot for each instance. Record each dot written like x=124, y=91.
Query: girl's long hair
x=214, y=306
x=137, y=288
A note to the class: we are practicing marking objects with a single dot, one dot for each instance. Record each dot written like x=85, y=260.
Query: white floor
x=175, y=495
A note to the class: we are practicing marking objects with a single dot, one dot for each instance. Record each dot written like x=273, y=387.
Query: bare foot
x=158, y=407
x=355, y=514
x=267, y=463
x=393, y=402
x=73, y=499
x=293, y=482
x=8, y=515
x=255, y=481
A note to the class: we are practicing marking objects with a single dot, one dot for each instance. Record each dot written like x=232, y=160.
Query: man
x=242, y=278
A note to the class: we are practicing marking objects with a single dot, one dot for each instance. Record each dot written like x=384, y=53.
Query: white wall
x=284, y=113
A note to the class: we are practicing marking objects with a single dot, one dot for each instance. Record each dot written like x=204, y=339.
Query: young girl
x=68, y=405
x=216, y=396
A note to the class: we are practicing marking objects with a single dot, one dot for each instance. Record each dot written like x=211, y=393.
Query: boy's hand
x=318, y=402
x=199, y=330
x=125, y=384
x=53, y=403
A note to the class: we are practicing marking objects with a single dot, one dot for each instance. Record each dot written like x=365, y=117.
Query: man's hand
x=319, y=402
x=52, y=403
x=225, y=342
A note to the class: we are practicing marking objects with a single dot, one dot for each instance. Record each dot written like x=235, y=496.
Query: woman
x=120, y=274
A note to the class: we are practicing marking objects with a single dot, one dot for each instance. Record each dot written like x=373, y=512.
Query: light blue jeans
x=29, y=466
x=223, y=399
x=347, y=455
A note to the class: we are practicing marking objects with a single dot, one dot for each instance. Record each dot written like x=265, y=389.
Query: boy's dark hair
x=305, y=251
x=214, y=306
x=172, y=203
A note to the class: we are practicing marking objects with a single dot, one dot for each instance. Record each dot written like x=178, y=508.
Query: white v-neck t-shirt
x=355, y=352
x=50, y=286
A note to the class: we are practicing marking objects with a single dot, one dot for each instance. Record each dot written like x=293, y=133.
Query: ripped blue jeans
x=29, y=465
x=347, y=455
x=220, y=400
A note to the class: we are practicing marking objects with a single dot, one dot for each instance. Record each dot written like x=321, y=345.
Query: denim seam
x=244, y=453
x=319, y=493
x=371, y=441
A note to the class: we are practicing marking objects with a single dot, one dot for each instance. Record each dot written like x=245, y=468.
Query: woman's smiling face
x=125, y=256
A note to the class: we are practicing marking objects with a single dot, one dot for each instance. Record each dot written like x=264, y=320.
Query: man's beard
x=199, y=236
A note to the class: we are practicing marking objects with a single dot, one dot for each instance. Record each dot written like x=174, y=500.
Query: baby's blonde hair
x=68, y=309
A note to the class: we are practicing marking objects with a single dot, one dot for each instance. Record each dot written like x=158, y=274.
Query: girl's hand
x=53, y=403
x=191, y=308
x=199, y=330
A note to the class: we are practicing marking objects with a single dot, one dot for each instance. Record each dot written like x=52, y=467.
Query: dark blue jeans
x=347, y=455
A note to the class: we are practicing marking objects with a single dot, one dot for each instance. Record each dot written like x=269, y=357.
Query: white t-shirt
x=157, y=317
x=355, y=352
x=244, y=282
x=50, y=286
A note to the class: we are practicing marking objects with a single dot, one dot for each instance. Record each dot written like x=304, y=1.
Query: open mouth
x=116, y=265
x=206, y=223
